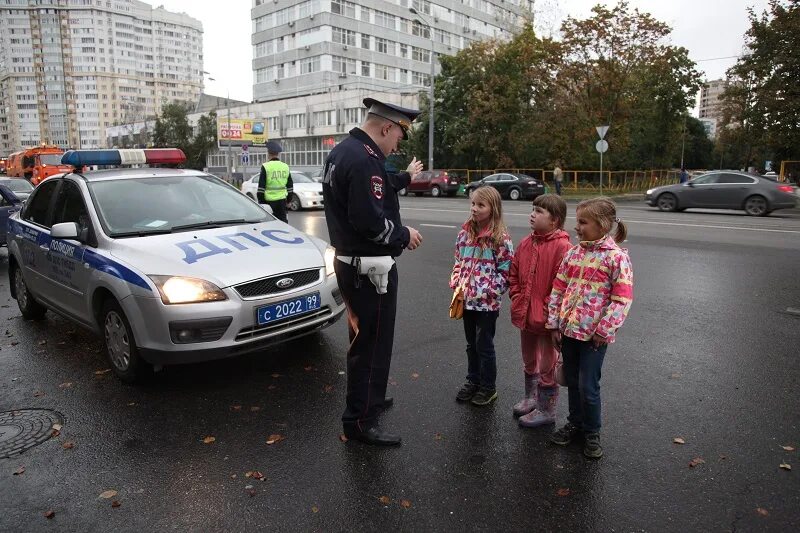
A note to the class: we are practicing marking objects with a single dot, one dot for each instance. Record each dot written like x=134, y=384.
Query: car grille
x=268, y=286
x=258, y=331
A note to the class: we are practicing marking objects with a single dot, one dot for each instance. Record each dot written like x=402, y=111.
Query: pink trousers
x=539, y=356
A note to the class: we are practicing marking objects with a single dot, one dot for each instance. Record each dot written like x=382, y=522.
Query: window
x=423, y=6
x=365, y=68
x=404, y=50
x=707, y=179
x=323, y=118
x=381, y=45
x=420, y=54
x=421, y=31
x=71, y=208
x=354, y=115
x=342, y=36
x=342, y=7
x=310, y=65
x=382, y=72
x=365, y=39
x=735, y=178
x=344, y=65
x=365, y=14
x=38, y=206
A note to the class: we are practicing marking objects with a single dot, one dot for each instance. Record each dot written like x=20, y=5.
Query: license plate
x=288, y=308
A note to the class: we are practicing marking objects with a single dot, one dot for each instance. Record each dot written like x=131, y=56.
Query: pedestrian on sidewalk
x=535, y=264
x=591, y=297
x=684, y=176
x=483, y=255
x=558, y=177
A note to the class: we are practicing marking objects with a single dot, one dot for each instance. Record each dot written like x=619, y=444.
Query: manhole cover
x=24, y=429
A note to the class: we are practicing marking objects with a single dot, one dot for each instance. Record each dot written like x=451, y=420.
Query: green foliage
x=530, y=101
x=172, y=130
x=762, y=101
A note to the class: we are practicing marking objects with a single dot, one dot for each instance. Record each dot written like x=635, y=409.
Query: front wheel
x=514, y=194
x=436, y=191
x=121, y=349
x=294, y=203
x=30, y=308
x=667, y=202
x=756, y=206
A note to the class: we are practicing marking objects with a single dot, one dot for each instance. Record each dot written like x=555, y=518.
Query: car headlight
x=649, y=192
x=330, y=257
x=181, y=290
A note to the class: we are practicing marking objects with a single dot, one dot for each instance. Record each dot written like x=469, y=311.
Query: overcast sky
x=709, y=29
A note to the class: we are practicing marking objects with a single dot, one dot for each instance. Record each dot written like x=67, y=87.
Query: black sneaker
x=565, y=435
x=484, y=397
x=591, y=446
x=467, y=391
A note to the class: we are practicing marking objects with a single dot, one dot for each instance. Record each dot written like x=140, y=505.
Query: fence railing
x=618, y=181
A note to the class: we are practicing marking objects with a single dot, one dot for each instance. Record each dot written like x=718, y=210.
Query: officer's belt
x=375, y=268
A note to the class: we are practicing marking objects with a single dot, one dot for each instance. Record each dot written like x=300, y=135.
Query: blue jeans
x=582, y=365
x=558, y=187
x=479, y=328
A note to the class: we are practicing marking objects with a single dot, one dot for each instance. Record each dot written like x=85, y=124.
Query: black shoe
x=388, y=402
x=375, y=437
x=467, y=391
x=591, y=446
x=484, y=397
x=565, y=435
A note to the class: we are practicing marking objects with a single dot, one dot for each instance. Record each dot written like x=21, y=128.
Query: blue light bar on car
x=166, y=156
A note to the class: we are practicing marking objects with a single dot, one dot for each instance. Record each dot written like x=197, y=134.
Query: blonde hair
x=604, y=211
x=496, y=225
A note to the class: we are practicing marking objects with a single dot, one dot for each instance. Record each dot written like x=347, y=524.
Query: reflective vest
x=277, y=175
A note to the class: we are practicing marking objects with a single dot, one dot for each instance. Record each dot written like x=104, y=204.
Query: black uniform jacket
x=361, y=204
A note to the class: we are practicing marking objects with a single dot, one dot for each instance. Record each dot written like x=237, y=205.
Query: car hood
x=678, y=187
x=308, y=187
x=224, y=256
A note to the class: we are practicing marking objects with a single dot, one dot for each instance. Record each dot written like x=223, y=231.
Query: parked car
x=169, y=265
x=9, y=204
x=727, y=189
x=511, y=186
x=306, y=193
x=434, y=182
x=317, y=175
x=20, y=186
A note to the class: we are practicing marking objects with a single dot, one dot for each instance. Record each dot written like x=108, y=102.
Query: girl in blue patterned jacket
x=482, y=263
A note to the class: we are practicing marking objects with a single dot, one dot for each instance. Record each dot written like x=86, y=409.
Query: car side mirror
x=64, y=230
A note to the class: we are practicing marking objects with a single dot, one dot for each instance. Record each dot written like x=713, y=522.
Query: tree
x=172, y=129
x=204, y=141
x=761, y=103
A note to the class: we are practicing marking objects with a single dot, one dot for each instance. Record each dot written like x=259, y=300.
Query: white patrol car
x=170, y=265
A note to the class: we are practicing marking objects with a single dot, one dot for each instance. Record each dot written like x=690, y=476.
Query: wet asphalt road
x=708, y=354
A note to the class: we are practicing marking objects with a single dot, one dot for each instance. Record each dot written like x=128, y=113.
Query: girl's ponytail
x=622, y=232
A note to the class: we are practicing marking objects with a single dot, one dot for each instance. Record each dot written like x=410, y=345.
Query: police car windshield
x=132, y=207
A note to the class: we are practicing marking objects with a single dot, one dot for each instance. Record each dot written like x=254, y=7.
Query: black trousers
x=371, y=319
x=279, y=210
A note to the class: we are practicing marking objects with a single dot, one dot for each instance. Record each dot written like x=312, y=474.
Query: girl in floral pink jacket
x=482, y=261
x=591, y=297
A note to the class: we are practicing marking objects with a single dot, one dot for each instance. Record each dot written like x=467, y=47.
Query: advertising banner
x=241, y=132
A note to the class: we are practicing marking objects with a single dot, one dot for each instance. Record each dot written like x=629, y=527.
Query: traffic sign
x=601, y=146
x=601, y=131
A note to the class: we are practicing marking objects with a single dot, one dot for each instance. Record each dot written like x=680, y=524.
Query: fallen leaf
x=272, y=387
x=101, y=372
x=308, y=368
x=115, y=504
x=327, y=388
x=675, y=376
x=696, y=461
x=42, y=343
x=251, y=492
x=66, y=385
x=19, y=471
x=258, y=475
x=341, y=372
x=563, y=492
x=49, y=514
x=762, y=511
x=385, y=500
x=131, y=404
x=785, y=466
x=254, y=409
x=236, y=407
x=55, y=433
x=248, y=487
x=414, y=375
x=275, y=375
x=108, y=494
x=788, y=448
x=233, y=476
x=438, y=436
x=272, y=439
x=405, y=504
x=209, y=440
x=38, y=394
x=68, y=445
x=14, y=343
x=343, y=437
x=678, y=440
x=315, y=509
x=57, y=427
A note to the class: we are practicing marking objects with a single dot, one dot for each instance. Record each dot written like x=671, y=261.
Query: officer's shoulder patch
x=370, y=151
x=376, y=187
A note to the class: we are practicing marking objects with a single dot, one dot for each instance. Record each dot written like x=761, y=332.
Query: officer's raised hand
x=415, y=238
x=414, y=168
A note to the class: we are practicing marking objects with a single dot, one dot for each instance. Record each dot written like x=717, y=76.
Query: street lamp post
x=430, y=93
x=228, y=159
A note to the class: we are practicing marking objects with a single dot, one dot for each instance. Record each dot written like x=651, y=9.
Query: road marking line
x=793, y=311
x=438, y=226
x=629, y=220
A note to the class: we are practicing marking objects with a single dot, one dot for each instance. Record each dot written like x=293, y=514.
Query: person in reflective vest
x=275, y=182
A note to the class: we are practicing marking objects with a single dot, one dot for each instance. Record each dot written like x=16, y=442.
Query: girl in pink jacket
x=533, y=270
x=591, y=297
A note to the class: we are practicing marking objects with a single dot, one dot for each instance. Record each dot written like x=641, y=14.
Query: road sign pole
x=601, y=173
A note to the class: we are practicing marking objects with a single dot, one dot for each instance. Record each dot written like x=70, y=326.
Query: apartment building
x=69, y=69
x=710, y=105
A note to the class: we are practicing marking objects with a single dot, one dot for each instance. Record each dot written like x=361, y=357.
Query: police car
x=169, y=265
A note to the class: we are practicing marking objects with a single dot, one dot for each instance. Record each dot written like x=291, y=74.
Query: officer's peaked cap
x=401, y=116
x=274, y=147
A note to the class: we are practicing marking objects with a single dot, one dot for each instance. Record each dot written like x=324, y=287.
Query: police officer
x=363, y=215
x=275, y=182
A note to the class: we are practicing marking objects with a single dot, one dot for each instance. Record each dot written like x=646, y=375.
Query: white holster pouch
x=375, y=268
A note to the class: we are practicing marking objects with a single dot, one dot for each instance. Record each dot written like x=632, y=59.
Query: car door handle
x=44, y=247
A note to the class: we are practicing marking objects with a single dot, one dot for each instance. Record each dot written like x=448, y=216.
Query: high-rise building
x=710, y=107
x=69, y=69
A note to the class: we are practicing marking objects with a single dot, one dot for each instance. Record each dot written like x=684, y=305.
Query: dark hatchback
x=510, y=185
x=727, y=189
